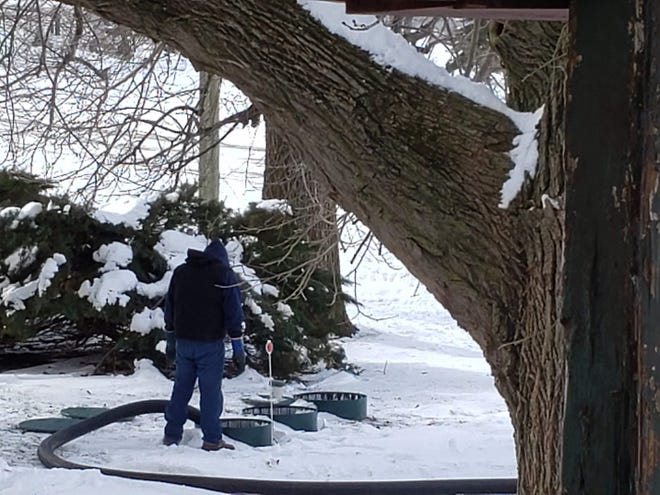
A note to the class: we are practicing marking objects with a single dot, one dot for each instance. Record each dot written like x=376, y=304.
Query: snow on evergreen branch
x=13, y=296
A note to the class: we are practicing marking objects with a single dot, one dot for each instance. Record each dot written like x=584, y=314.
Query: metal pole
x=269, y=351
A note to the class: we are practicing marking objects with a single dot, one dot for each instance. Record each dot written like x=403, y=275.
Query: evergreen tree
x=303, y=333
x=66, y=266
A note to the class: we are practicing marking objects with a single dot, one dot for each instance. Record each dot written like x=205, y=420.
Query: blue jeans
x=203, y=361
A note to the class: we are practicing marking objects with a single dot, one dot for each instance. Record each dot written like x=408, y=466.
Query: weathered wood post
x=611, y=306
x=209, y=140
x=648, y=345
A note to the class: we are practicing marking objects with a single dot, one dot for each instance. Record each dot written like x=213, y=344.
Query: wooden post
x=648, y=454
x=611, y=310
x=209, y=145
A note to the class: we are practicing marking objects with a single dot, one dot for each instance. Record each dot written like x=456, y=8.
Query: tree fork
x=611, y=307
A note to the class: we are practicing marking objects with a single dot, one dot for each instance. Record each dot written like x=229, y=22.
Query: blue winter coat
x=203, y=301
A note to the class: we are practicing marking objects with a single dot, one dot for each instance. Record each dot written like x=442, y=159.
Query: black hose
x=49, y=459
x=46, y=451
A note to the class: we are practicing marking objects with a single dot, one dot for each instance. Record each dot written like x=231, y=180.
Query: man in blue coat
x=203, y=304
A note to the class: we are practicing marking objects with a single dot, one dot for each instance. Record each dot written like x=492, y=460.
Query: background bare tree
x=287, y=177
x=463, y=44
x=93, y=104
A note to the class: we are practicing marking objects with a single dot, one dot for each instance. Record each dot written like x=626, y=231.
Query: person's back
x=198, y=298
x=203, y=299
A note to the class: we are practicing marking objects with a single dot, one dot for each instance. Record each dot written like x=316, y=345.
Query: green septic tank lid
x=347, y=405
x=252, y=431
x=47, y=425
x=303, y=418
x=82, y=412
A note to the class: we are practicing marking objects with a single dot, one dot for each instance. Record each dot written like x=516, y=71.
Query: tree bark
x=209, y=146
x=422, y=167
x=535, y=55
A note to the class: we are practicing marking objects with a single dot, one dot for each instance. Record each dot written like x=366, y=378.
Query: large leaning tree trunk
x=287, y=177
x=422, y=167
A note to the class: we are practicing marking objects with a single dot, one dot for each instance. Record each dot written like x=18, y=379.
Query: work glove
x=170, y=346
x=238, y=354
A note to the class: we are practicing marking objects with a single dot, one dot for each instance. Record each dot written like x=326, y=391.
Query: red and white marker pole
x=269, y=351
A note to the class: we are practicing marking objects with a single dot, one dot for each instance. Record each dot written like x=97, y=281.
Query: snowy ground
x=433, y=412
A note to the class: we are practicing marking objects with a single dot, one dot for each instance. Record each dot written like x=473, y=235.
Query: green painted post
x=611, y=311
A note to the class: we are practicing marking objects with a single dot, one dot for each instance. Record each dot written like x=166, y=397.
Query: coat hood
x=214, y=253
x=217, y=251
x=197, y=257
